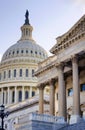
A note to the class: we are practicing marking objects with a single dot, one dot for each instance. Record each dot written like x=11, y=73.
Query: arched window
x=20, y=96
x=26, y=94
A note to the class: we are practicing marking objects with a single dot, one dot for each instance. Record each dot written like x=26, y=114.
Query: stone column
x=76, y=90
x=52, y=97
x=41, y=100
x=8, y=95
x=16, y=94
x=23, y=93
x=62, y=92
x=5, y=97
x=2, y=91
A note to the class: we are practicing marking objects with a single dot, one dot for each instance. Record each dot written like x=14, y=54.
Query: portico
x=66, y=62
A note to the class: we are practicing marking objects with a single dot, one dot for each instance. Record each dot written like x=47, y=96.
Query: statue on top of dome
x=27, y=19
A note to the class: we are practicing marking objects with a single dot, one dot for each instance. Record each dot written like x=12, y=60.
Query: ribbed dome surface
x=24, y=48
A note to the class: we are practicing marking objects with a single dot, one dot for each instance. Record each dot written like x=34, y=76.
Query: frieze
x=74, y=34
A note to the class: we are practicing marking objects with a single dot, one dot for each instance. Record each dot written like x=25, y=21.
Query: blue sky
x=49, y=18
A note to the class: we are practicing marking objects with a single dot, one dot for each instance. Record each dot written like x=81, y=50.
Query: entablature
x=76, y=33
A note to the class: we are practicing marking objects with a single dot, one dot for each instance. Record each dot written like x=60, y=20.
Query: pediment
x=69, y=37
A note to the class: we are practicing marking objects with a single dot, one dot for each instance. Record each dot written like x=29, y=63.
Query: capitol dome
x=17, y=67
x=26, y=47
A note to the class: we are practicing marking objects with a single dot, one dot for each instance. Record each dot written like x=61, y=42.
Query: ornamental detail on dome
x=26, y=29
x=27, y=19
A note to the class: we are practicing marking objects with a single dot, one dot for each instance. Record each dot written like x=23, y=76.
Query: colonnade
x=6, y=94
x=62, y=109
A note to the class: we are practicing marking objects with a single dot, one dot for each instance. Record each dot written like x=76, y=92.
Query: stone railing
x=46, y=118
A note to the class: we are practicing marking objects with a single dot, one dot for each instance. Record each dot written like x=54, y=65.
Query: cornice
x=18, y=62
x=74, y=34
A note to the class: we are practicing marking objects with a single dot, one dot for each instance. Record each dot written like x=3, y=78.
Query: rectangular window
x=82, y=87
x=70, y=92
x=26, y=72
x=33, y=93
x=32, y=72
x=20, y=72
x=20, y=96
x=4, y=74
x=9, y=74
x=15, y=73
x=26, y=94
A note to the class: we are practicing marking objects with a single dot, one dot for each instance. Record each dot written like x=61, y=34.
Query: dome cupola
x=26, y=28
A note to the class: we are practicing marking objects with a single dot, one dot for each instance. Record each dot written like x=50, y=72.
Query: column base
x=75, y=119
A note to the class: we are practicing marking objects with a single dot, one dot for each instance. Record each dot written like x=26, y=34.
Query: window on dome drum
x=32, y=72
x=20, y=96
x=9, y=73
x=26, y=94
x=4, y=74
x=20, y=74
x=33, y=93
x=13, y=96
x=0, y=76
x=17, y=51
x=36, y=52
x=13, y=52
x=70, y=92
x=83, y=87
x=22, y=51
x=31, y=51
x=26, y=72
x=26, y=51
x=15, y=73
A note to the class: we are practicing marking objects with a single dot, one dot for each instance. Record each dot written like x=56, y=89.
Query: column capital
x=51, y=82
x=61, y=65
x=74, y=58
x=41, y=86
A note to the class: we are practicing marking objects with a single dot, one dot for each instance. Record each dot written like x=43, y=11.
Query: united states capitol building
x=18, y=85
x=44, y=92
